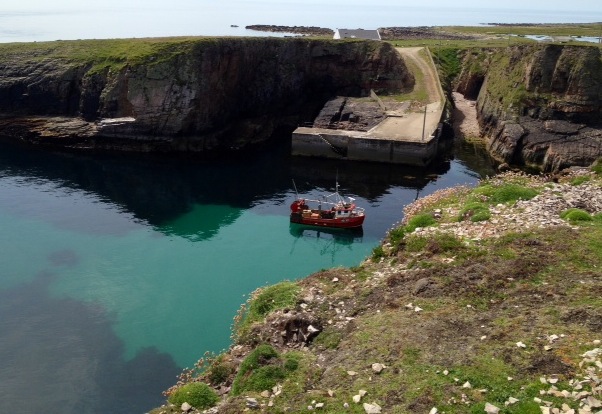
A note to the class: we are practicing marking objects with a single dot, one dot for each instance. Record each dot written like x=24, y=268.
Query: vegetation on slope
x=441, y=318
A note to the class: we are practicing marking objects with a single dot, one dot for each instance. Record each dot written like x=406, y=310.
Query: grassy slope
x=478, y=300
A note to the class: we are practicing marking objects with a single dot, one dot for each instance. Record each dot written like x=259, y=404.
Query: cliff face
x=538, y=105
x=192, y=95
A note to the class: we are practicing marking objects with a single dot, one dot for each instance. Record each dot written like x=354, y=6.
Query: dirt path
x=428, y=80
x=415, y=125
x=465, y=115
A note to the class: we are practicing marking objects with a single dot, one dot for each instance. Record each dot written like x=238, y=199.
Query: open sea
x=65, y=20
x=117, y=271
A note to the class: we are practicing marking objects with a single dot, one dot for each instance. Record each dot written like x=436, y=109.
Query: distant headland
x=300, y=30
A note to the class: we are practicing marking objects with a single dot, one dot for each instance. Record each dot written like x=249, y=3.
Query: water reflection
x=342, y=236
x=176, y=195
x=144, y=291
x=324, y=242
x=368, y=180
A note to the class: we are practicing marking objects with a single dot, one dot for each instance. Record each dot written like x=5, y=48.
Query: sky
x=48, y=20
x=60, y=5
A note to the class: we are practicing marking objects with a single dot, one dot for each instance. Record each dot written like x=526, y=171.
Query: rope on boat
x=337, y=150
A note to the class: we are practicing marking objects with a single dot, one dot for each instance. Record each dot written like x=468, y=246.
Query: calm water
x=118, y=271
x=37, y=20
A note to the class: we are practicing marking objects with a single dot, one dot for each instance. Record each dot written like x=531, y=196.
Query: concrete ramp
x=408, y=135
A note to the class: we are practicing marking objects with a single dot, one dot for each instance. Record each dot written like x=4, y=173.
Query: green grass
x=580, y=180
x=264, y=368
x=256, y=372
x=587, y=29
x=475, y=212
x=103, y=54
x=264, y=301
x=597, y=167
x=419, y=93
x=328, y=338
x=448, y=63
x=506, y=193
x=420, y=220
x=378, y=253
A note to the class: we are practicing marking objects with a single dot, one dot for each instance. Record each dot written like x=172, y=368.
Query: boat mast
x=295, y=187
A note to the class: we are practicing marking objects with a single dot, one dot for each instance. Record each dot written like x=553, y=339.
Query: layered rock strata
x=185, y=95
x=538, y=105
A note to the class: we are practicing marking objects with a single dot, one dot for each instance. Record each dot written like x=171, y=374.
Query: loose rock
x=372, y=408
x=491, y=409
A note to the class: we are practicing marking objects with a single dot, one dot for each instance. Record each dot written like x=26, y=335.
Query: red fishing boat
x=333, y=211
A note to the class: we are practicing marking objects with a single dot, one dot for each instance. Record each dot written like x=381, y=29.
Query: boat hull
x=338, y=223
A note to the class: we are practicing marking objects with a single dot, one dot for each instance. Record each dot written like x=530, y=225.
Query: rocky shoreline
x=422, y=33
x=491, y=316
x=298, y=30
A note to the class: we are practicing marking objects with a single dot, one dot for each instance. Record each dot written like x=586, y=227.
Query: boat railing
x=360, y=211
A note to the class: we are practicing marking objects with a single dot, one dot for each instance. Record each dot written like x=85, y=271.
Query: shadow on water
x=62, y=356
x=194, y=198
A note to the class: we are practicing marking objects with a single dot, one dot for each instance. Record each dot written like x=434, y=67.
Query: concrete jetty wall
x=355, y=146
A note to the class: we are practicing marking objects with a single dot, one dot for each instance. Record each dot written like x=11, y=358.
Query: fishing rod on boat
x=295, y=187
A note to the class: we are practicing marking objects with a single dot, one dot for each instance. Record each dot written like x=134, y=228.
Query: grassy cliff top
x=481, y=298
x=116, y=53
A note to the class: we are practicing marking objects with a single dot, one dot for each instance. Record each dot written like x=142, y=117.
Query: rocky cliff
x=538, y=105
x=181, y=94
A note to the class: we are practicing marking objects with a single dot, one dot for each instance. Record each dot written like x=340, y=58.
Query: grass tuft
x=262, y=302
x=421, y=220
x=197, y=394
x=505, y=193
x=262, y=369
x=575, y=214
x=475, y=212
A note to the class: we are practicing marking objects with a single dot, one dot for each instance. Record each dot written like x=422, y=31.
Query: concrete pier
x=404, y=136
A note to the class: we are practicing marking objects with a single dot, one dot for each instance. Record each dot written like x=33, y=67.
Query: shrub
x=475, y=212
x=444, y=242
x=291, y=361
x=396, y=235
x=262, y=369
x=219, y=371
x=259, y=355
x=576, y=214
x=378, y=253
x=260, y=379
x=197, y=394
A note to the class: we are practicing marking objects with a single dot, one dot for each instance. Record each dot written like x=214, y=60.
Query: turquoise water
x=119, y=271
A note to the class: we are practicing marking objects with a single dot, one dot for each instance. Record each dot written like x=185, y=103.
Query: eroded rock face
x=538, y=105
x=218, y=94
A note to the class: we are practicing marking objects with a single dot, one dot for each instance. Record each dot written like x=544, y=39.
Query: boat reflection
x=339, y=236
